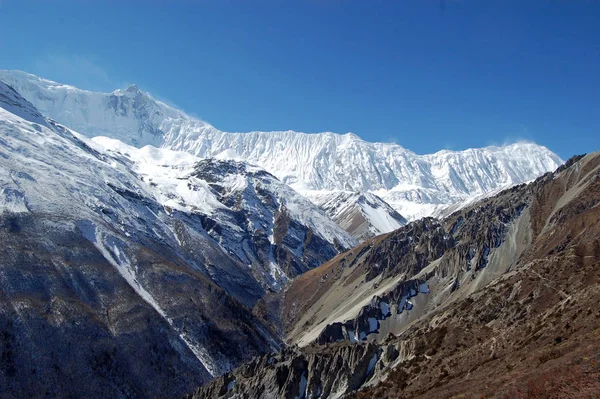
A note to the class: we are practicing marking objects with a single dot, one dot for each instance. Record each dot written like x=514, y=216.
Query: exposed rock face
x=503, y=298
x=384, y=284
x=72, y=325
x=301, y=373
x=280, y=234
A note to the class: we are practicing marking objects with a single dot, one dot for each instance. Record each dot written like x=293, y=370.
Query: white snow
x=414, y=185
x=171, y=181
x=380, y=219
x=12, y=200
x=343, y=206
x=98, y=187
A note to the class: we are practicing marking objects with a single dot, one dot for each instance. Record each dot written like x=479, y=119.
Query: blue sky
x=428, y=75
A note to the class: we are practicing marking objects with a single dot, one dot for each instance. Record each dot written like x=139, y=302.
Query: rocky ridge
x=509, y=305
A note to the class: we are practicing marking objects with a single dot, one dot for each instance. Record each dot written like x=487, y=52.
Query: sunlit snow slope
x=414, y=185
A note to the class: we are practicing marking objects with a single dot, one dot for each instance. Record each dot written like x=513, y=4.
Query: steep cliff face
x=384, y=284
x=533, y=331
x=301, y=373
x=497, y=300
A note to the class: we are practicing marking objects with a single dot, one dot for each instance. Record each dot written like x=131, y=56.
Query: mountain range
x=312, y=164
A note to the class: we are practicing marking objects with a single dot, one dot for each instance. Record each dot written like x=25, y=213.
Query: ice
x=371, y=365
x=385, y=309
x=373, y=324
x=302, y=389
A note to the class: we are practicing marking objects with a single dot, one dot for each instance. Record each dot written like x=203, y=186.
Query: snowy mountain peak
x=414, y=185
x=133, y=89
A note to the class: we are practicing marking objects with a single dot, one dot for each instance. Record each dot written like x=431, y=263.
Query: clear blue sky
x=426, y=74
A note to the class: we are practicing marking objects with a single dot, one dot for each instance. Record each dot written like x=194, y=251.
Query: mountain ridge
x=155, y=257
x=414, y=185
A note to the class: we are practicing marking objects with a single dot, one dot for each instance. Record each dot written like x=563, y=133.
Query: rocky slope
x=135, y=270
x=363, y=215
x=414, y=185
x=497, y=300
x=269, y=228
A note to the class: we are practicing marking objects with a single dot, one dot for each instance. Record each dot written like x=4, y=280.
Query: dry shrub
x=573, y=381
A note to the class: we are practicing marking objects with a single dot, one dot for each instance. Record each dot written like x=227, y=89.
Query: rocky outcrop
x=313, y=372
x=370, y=289
x=275, y=227
x=367, y=321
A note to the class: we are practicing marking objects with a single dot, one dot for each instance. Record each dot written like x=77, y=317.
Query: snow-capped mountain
x=262, y=223
x=155, y=254
x=414, y=185
x=363, y=215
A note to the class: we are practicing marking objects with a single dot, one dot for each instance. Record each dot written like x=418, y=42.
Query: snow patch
x=12, y=200
x=302, y=389
x=109, y=247
x=371, y=365
x=373, y=325
x=385, y=309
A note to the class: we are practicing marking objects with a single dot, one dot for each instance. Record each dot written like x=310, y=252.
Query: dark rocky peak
x=133, y=89
x=213, y=170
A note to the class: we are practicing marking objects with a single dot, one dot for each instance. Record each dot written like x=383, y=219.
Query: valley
x=153, y=255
